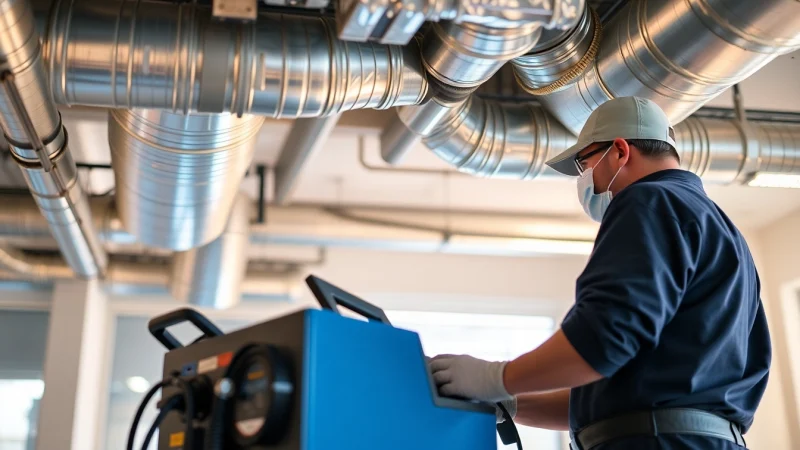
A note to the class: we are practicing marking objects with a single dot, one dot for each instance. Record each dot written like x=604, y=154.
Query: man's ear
x=623, y=150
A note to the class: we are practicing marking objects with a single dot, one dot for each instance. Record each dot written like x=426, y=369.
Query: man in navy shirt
x=667, y=345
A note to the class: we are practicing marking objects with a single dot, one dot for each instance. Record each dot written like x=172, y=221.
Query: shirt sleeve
x=631, y=287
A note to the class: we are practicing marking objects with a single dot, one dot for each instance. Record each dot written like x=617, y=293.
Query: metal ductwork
x=211, y=275
x=506, y=140
x=462, y=55
x=38, y=141
x=177, y=175
x=173, y=56
x=488, y=138
x=678, y=53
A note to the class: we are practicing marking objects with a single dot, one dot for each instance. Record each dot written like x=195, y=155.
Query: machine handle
x=330, y=296
x=158, y=326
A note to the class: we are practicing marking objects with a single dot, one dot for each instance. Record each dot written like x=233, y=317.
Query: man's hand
x=473, y=378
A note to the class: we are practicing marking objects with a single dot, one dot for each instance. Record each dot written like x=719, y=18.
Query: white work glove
x=468, y=377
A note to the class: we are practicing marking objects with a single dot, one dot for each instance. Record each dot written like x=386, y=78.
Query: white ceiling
x=335, y=175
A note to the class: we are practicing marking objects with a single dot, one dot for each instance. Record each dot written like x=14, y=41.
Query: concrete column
x=76, y=368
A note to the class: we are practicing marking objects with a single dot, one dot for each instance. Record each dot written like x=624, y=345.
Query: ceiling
x=335, y=174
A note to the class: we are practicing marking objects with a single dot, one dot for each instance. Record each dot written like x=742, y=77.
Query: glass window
x=23, y=338
x=486, y=336
x=138, y=362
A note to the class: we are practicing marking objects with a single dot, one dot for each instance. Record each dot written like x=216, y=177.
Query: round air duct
x=177, y=175
x=212, y=275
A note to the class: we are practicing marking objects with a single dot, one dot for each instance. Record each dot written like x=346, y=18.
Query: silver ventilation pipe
x=177, y=175
x=38, y=141
x=465, y=54
x=678, y=53
x=462, y=56
x=212, y=275
x=492, y=139
x=488, y=138
x=173, y=56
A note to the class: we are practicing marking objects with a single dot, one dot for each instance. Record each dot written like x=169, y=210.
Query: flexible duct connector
x=38, y=141
x=492, y=139
x=211, y=276
x=680, y=54
x=170, y=55
x=177, y=175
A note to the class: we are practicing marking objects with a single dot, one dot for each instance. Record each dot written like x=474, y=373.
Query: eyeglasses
x=579, y=160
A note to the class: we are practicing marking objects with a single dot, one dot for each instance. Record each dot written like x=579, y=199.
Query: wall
x=780, y=274
x=771, y=422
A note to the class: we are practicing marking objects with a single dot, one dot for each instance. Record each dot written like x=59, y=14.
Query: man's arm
x=549, y=410
x=553, y=365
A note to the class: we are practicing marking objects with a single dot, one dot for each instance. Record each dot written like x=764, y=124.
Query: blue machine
x=315, y=380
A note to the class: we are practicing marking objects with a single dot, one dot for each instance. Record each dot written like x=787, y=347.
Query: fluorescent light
x=775, y=180
x=137, y=384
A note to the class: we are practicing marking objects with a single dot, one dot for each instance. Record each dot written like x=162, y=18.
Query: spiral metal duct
x=38, y=141
x=680, y=54
x=177, y=175
x=171, y=55
x=211, y=275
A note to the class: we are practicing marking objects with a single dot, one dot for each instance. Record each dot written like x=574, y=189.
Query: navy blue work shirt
x=668, y=310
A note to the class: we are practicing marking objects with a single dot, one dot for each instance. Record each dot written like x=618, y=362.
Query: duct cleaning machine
x=311, y=380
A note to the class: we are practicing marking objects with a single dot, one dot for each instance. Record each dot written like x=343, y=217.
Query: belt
x=655, y=423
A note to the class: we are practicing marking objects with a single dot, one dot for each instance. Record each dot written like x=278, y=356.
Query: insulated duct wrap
x=680, y=54
x=38, y=141
x=211, y=276
x=171, y=55
x=177, y=176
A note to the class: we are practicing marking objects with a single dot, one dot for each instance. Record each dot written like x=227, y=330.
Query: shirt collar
x=672, y=174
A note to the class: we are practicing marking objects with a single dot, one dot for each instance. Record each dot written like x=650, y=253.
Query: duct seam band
x=577, y=70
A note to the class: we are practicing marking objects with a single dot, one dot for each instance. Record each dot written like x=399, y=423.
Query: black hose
x=190, y=412
x=140, y=411
x=170, y=405
x=510, y=421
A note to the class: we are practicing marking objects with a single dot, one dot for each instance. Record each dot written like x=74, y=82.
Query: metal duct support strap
x=169, y=55
x=177, y=175
x=38, y=141
x=678, y=53
x=211, y=275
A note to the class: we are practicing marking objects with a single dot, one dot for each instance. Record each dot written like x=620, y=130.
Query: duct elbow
x=494, y=139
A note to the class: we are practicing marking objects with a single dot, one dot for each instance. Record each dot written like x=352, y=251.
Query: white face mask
x=595, y=205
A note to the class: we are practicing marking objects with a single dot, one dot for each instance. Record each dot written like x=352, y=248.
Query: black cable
x=510, y=420
x=188, y=395
x=168, y=407
x=140, y=411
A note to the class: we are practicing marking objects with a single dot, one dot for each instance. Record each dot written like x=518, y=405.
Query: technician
x=666, y=346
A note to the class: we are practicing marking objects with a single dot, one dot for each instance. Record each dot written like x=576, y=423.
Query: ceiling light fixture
x=775, y=180
x=137, y=384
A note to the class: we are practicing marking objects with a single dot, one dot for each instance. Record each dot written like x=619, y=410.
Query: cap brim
x=564, y=162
